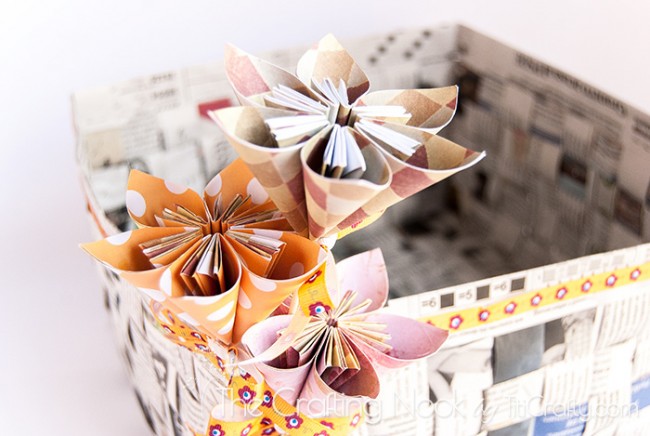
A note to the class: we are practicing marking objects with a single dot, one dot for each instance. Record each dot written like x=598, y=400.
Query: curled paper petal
x=260, y=296
x=147, y=196
x=252, y=77
x=222, y=184
x=286, y=382
x=329, y=200
x=122, y=251
x=410, y=340
x=430, y=109
x=322, y=400
x=372, y=284
x=436, y=160
x=278, y=170
x=330, y=60
x=215, y=315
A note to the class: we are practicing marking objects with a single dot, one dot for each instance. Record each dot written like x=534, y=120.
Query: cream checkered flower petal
x=430, y=109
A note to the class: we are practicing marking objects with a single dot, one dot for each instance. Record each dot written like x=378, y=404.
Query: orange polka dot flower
x=220, y=261
x=331, y=155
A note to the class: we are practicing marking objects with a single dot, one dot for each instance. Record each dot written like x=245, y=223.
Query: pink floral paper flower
x=374, y=340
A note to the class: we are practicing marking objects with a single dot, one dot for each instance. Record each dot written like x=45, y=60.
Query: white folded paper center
x=330, y=106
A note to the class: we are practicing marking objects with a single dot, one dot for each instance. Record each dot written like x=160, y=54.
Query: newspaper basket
x=562, y=345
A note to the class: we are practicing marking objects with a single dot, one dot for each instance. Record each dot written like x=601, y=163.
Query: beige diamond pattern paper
x=313, y=202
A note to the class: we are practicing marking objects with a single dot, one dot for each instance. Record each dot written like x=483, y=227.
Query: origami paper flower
x=287, y=135
x=332, y=358
x=221, y=261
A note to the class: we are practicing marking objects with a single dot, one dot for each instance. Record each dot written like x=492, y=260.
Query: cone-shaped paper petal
x=322, y=400
x=329, y=200
x=286, y=382
x=252, y=77
x=147, y=196
x=436, y=160
x=214, y=315
x=260, y=296
x=411, y=340
x=235, y=179
x=372, y=284
x=278, y=170
x=430, y=109
x=330, y=60
x=122, y=251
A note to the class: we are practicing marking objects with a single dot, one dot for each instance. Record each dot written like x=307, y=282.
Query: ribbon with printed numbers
x=291, y=171
x=177, y=220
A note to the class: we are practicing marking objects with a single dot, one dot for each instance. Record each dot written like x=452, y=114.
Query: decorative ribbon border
x=480, y=315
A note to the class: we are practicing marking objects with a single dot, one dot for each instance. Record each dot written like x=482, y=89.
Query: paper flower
x=330, y=154
x=331, y=359
x=222, y=261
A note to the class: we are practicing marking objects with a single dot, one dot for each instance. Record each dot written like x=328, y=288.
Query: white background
x=59, y=370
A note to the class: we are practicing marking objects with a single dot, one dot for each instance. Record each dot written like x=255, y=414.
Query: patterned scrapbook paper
x=292, y=171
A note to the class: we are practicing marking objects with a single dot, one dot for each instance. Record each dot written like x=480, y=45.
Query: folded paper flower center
x=333, y=336
x=215, y=227
x=327, y=105
x=205, y=249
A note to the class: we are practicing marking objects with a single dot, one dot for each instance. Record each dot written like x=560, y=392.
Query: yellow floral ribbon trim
x=314, y=292
x=530, y=301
